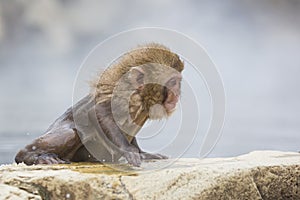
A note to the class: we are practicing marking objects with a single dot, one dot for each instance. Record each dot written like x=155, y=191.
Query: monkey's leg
x=145, y=155
x=57, y=146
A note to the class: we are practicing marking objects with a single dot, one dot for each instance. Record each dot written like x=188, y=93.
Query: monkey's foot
x=50, y=158
x=148, y=156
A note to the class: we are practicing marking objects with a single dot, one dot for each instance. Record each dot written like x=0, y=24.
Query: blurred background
x=254, y=43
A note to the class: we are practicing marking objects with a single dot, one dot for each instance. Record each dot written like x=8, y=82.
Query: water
x=235, y=142
x=11, y=143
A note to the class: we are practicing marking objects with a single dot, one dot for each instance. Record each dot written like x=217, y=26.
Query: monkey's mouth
x=171, y=105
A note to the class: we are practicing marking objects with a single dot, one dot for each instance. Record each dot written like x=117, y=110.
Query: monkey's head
x=146, y=79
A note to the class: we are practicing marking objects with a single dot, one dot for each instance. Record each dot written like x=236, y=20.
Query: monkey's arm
x=102, y=118
x=57, y=146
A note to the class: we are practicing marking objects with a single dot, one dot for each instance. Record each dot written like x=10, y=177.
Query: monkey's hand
x=41, y=158
x=149, y=156
x=132, y=155
x=49, y=158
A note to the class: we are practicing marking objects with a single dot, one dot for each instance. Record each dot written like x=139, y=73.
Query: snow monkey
x=142, y=84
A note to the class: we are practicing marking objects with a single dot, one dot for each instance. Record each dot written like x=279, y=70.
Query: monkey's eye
x=140, y=78
x=172, y=82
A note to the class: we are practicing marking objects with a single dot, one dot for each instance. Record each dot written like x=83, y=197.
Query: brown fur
x=103, y=86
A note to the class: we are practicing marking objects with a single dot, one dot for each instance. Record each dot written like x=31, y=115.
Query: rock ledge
x=257, y=175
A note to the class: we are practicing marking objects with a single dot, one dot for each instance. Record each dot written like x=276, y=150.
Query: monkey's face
x=171, y=93
x=159, y=89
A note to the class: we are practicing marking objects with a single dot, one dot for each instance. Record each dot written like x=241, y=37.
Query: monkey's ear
x=136, y=77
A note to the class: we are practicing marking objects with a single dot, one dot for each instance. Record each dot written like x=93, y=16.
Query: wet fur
x=61, y=142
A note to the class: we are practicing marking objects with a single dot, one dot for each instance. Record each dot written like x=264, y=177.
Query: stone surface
x=257, y=175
